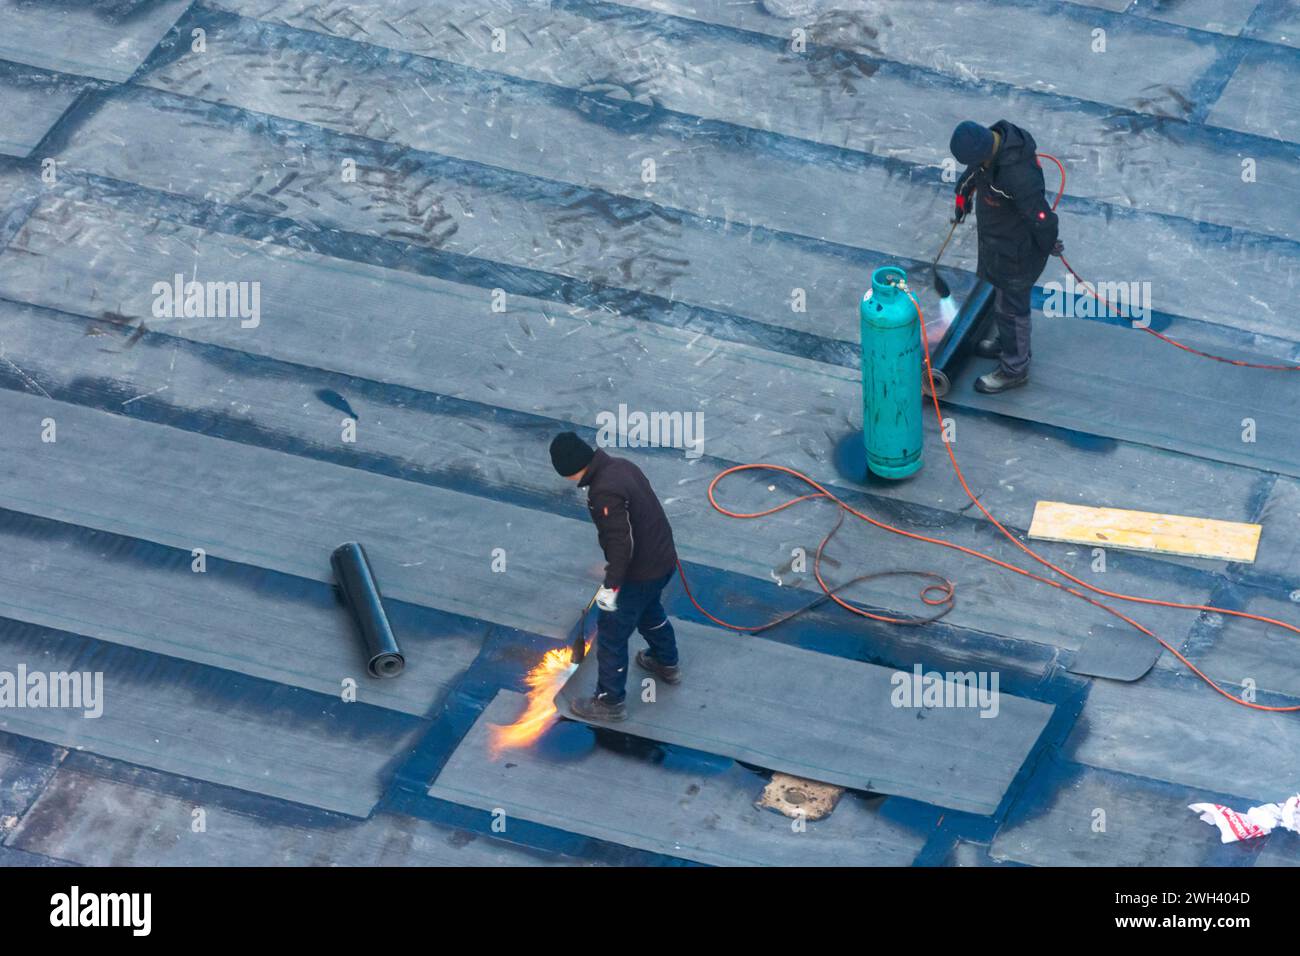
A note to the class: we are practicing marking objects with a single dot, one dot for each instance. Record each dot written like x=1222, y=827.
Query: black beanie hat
x=971, y=143
x=570, y=454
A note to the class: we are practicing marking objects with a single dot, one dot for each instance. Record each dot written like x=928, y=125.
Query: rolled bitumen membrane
x=361, y=592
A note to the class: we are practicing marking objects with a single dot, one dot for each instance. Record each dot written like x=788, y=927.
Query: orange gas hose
x=1160, y=335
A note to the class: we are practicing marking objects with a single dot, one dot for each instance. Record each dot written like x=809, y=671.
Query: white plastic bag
x=1255, y=822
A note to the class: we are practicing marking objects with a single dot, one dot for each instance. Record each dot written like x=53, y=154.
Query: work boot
x=669, y=675
x=999, y=381
x=988, y=348
x=600, y=708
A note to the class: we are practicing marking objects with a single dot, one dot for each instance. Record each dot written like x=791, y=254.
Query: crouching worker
x=634, y=533
x=1017, y=232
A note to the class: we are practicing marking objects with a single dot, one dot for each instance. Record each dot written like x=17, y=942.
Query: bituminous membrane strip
x=1080, y=816
x=425, y=320
x=728, y=77
x=502, y=219
x=120, y=590
x=25, y=768
x=1279, y=23
x=411, y=438
x=1126, y=384
x=986, y=617
x=733, y=269
x=309, y=299
x=1279, y=552
x=12, y=857
x=30, y=103
x=1259, y=98
x=428, y=542
x=134, y=819
x=1211, y=15
x=209, y=724
x=487, y=118
x=829, y=719
x=315, y=332
x=83, y=38
x=305, y=286
x=523, y=127
x=1137, y=50
x=683, y=805
x=1238, y=648
x=1282, y=849
x=1174, y=728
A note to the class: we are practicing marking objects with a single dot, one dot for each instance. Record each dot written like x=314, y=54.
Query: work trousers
x=1011, y=317
x=639, y=609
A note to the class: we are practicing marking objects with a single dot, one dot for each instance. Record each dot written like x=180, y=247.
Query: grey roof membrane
x=827, y=719
x=659, y=204
x=634, y=796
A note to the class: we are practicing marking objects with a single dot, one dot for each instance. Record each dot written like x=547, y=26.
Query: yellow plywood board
x=1145, y=531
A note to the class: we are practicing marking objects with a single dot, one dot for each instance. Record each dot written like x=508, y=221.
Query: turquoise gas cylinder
x=891, y=376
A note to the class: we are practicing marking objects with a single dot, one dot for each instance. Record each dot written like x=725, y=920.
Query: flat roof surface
x=472, y=225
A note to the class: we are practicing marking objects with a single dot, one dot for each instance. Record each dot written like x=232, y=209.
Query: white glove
x=607, y=599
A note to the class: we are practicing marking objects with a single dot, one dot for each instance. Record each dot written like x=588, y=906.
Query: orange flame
x=544, y=682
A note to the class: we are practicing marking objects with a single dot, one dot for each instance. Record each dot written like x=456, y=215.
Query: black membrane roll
x=361, y=593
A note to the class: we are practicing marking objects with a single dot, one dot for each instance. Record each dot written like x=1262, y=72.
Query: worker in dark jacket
x=1017, y=232
x=634, y=533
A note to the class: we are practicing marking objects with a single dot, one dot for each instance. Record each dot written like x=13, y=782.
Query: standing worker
x=1017, y=232
x=634, y=533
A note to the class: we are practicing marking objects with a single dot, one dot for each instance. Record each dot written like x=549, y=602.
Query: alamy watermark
x=73, y=690
x=179, y=299
x=1075, y=300
x=75, y=908
x=932, y=689
x=635, y=429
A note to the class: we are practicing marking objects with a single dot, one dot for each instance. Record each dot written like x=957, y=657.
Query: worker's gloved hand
x=962, y=207
x=965, y=194
x=607, y=599
x=1058, y=248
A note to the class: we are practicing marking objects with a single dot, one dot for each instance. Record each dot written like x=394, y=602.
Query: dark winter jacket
x=1017, y=227
x=630, y=523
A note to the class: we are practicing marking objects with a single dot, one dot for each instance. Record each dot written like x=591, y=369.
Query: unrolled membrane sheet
x=479, y=117
x=1282, y=849
x=725, y=75
x=206, y=723
x=830, y=719
x=1260, y=97
x=125, y=590
x=1173, y=727
x=118, y=456
x=1140, y=48
x=1235, y=648
x=1146, y=822
x=1122, y=383
x=108, y=41
x=31, y=101
x=94, y=815
x=685, y=805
